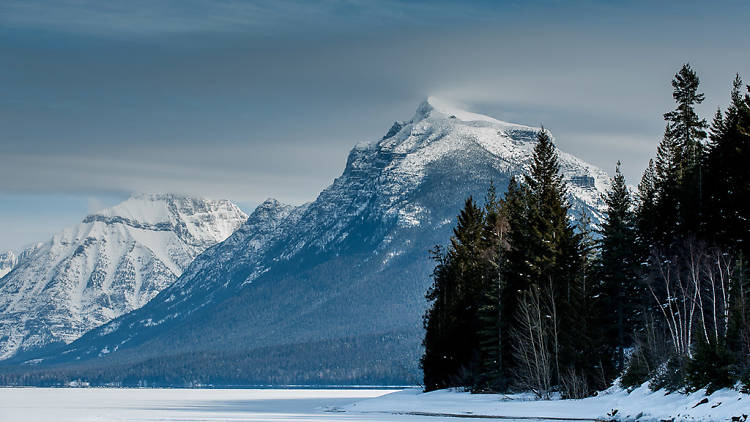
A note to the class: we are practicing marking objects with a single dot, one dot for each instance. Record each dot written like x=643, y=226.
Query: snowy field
x=170, y=405
x=411, y=405
x=642, y=405
x=105, y=404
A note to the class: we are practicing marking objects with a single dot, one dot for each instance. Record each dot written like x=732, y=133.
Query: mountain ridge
x=114, y=261
x=340, y=273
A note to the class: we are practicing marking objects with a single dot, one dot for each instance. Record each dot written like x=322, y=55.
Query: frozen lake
x=167, y=405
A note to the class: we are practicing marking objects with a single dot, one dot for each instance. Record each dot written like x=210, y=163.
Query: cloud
x=155, y=17
x=249, y=99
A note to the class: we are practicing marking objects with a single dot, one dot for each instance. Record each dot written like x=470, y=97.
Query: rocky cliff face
x=8, y=260
x=115, y=261
x=331, y=291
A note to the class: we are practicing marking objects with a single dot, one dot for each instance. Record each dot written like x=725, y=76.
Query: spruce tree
x=490, y=333
x=728, y=180
x=545, y=255
x=687, y=131
x=684, y=125
x=646, y=218
x=436, y=362
x=451, y=342
x=516, y=270
x=728, y=225
x=619, y=267
x=666, y=205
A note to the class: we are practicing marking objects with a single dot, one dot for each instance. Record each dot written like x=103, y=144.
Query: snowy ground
x=105, y=404
x=172, y=405
x=641, y=404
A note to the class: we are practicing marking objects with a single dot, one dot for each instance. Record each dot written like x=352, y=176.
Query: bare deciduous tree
x=691, y=289
x=531, y=347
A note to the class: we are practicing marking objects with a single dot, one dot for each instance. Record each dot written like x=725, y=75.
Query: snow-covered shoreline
x=615, y=403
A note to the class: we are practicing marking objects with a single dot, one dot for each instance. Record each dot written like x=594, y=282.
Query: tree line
x=524, y=298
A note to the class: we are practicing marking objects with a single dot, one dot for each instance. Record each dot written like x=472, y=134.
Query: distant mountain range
x=115, y=261
x=330, y=292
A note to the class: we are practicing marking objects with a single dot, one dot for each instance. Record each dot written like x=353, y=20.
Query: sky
x=247, y=100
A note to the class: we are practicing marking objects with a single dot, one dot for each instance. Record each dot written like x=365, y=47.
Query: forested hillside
x=524, y=299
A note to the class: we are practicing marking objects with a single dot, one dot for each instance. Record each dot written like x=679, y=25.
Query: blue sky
x=247, y=100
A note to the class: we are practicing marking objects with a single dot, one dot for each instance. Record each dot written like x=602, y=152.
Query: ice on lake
x=169, y=405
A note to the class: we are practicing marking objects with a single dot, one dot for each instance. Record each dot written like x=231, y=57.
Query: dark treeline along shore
x=524, y=300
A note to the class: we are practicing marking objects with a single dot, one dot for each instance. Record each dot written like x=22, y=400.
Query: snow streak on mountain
x=115, y=261
x=332, y=291
x=8, y=260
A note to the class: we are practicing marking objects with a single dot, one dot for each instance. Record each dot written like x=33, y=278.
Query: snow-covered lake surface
x=169, y=405
x=410, y=405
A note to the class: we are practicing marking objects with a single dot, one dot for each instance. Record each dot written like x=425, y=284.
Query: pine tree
x=491, y=336
x=666, y=205
x=545, y=255
x=646, y=218
x=687, y=131
x=619, y=267
x=684, y=125
x=727, y=179
x=451, y=340
x=728, y=197
x=516, y=270
x=437, y=361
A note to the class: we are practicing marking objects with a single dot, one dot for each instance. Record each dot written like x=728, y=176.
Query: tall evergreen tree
x=727, y=179
x=687, y=131
x=451, y=341
x=684, y=125
x=490, y=333
x=646, y=219
x=666, y=205
x=516, y=270
x=619, y=267
x=545, y=254
x=676, y=188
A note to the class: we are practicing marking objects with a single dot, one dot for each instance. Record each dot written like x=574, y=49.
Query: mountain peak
x=349, y=266
x=271, y=210
x=115, y=261
x=448, y=109
x=149, y=208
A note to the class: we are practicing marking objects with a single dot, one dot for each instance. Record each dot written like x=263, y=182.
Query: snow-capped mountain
x=8, y=260
x=331, y=291
x=115, y=261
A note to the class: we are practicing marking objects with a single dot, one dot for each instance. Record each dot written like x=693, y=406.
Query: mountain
x=114, y=261
x=330, y=292
x=8, y=260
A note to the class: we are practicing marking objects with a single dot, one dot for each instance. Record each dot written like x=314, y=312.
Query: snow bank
x=641, y=404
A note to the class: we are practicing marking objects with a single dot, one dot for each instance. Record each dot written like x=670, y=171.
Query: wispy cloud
x=250, y=99
x=255, y=16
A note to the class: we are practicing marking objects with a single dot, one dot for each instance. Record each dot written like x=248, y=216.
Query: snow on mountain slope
x=333, y=291
x=8, y=260
x=115, y=261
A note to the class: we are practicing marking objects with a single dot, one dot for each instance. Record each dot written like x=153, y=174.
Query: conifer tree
x=666, y=205
x=491, y=336
x=516, y=270
x=619, y=267
x=451, y=341
x=684, y=126
x=646, y=218
x=687, y=131
x=545, y=254
x=728, y=180
x=674, y=189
